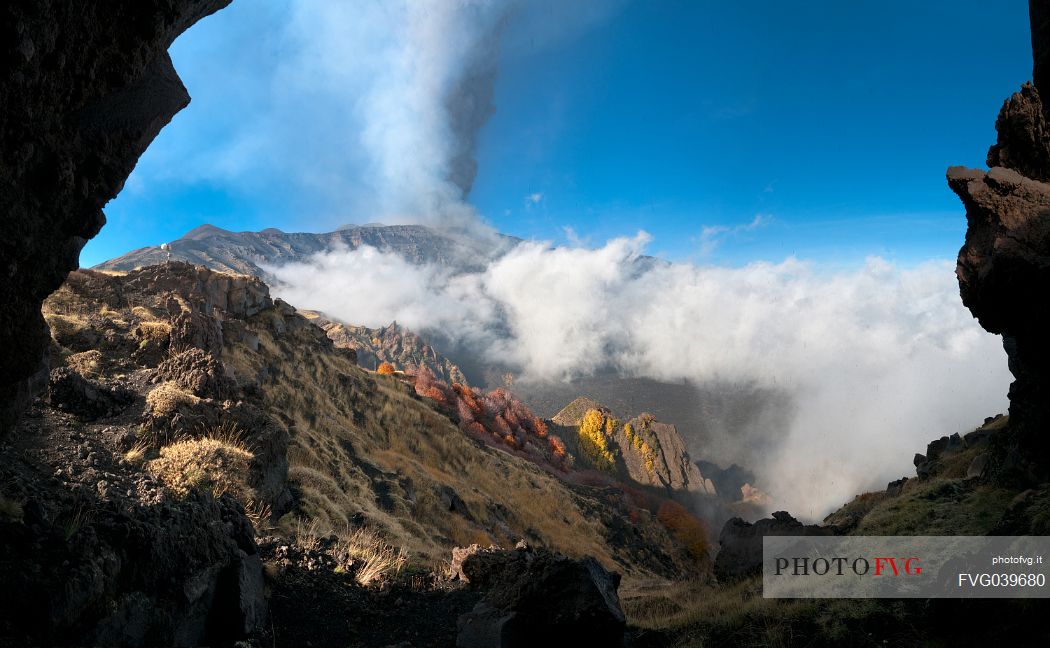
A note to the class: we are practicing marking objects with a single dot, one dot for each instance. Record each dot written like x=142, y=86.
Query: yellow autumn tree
x=594, y=442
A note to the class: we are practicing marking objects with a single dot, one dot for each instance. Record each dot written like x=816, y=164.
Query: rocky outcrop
x=185, y=316
x=740, y=554
x=1004, y=265
x=538, y=598
x=573, y=413
x=946, y=446
x=641, y=451
x=202, y=290
x=395, y=344
x=110, y=545
x=730, y=483
x=654, y=454
x=84, y=89
x=1023, y=142
x=198, y=372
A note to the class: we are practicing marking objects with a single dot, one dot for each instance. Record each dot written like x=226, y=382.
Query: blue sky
x=731, y=132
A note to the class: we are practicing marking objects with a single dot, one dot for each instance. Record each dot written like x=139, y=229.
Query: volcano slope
x=178, y=388
x=362, y=448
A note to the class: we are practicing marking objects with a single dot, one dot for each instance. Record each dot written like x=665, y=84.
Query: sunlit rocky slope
x=204, y=351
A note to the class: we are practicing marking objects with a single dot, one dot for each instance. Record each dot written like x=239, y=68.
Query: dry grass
x=72, y=521
x=154, y=331
x=938, y=507
x=64, y=327
x=148, y=314
x=167, y=398
x=63, y=302
x=658, y=605
x=260, y=515
x=87, y=363
x=138, y=452
x=218, y=465
x=371, y=557
x=364, y=552
x=307, y=535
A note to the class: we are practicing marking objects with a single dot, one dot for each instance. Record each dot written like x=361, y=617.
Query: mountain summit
x=248, y=252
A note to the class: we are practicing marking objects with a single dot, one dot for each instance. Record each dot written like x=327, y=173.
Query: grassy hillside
x=363, y=449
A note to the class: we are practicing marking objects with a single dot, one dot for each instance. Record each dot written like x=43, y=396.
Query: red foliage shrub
x=557, y=445
x=475, y=428
x=435, y=394
x=685, y=527
x=464, y=413
x=496, y=417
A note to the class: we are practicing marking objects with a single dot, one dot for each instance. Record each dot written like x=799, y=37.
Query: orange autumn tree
x=385, y=368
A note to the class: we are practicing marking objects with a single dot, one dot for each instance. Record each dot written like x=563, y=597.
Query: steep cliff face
x=1004, y=265
x=654, y=454
x=641, y=451
x=84, y=88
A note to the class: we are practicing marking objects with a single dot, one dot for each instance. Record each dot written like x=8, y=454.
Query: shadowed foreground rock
x=84, y=88
x=1004, y=265
x=741, y=542
x=95, y=552
x=538, y=598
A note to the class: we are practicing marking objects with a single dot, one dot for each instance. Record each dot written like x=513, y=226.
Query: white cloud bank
x=878, y=360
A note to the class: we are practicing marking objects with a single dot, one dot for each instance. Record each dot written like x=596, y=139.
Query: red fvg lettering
x=905, y=563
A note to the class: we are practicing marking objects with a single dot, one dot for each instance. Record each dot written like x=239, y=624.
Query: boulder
x=539, y=598
x=740, y=553
x=936, y=450
x=895, y=487
x=176, y=573
x=978, y=466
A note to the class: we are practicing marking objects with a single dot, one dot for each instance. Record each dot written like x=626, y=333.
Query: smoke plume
x=349, y=111
x=423, y=113
x=875, y=361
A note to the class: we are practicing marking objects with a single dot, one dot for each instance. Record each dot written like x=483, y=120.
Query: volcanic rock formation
x=741, y=542
x=84, y=88
x=538, y=598
x=1004, y=265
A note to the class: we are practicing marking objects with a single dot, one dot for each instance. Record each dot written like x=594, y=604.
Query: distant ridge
x=247, y=252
